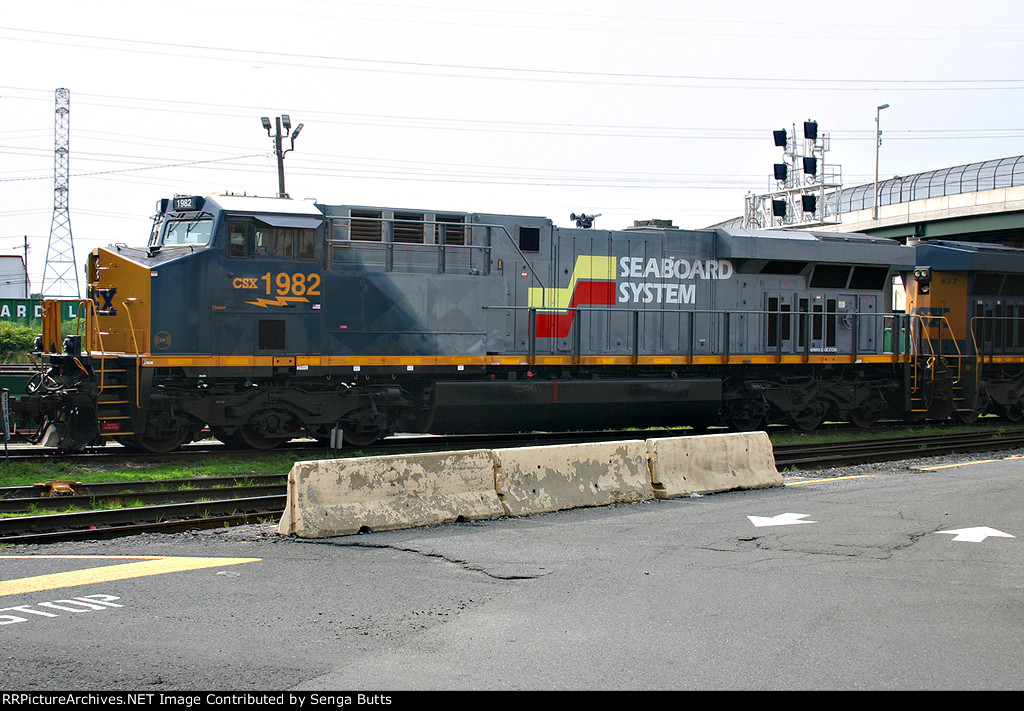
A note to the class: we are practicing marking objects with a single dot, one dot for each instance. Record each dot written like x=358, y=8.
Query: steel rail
x=135, y=499
x=832, y=454
x=81, y=525
x=40, y=493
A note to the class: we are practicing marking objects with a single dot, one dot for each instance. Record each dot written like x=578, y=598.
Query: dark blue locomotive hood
x=850, y=248
x=942, y=255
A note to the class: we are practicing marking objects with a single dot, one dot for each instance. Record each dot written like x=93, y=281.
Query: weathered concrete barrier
x=681, y=466
x=552, y=478
x=343, y=496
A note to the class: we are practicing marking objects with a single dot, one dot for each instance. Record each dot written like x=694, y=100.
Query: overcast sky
x=647, y=109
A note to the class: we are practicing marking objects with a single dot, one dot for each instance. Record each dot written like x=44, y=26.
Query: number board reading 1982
x=287, y=287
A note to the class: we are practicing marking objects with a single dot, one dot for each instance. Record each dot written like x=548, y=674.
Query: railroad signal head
x=923, y=277
x=811, y=165
x=779, y=208
x=811, y=130
x=809, y=202
x=780, y=137
x=781, y=171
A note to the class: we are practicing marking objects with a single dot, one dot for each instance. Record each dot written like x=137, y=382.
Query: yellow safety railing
x=931, y=330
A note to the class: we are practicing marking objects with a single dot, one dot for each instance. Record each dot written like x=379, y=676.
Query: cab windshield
x=195, y=232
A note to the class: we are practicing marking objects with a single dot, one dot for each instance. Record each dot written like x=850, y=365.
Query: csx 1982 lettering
x=281, y=284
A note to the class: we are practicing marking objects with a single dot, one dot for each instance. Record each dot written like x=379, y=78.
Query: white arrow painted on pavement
x=976, y=534
x=786, y=519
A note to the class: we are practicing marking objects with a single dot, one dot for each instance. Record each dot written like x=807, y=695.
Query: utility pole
x=60, y=275
x=275, y=133
x=878, y=144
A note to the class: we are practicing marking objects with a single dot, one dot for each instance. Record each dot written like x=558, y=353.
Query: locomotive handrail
x=52, y=322
x=920, y=334
x=92, y=317
x=135, y=343
x=980, y=350
x=95, y=332
x=901, y=325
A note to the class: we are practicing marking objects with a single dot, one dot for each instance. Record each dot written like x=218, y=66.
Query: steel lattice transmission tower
x=60, y=276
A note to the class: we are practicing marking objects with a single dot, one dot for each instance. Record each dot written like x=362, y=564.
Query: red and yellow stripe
x=592, y=284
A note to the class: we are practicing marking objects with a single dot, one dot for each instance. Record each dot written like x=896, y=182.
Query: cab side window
x=282, y=243
x=238, y=246
x=307, y=244
x=263, y=242
x=285, y=242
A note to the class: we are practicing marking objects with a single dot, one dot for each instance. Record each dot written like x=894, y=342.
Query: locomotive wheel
x=810, y=418
x=233, y=440
x=746, y=415
x=747, y=423
x=868, y=413
x=1013, y=412
x=362, y=439
x=751, y=424
x=251, y=438
x=967, y=417
x=863, y=418
x=161, y=445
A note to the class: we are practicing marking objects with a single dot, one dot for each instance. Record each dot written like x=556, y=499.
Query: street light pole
x=878, y=143
x=281, y=121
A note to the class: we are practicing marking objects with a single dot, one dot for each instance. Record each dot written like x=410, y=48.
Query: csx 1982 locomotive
x=269, y=319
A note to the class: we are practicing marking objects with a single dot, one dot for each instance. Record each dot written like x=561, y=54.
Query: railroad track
x=127, y=508
x=391, y=445
x=109, y=510
x=831, y=454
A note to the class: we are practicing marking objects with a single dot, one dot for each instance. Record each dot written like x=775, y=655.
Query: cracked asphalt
x=865, y=588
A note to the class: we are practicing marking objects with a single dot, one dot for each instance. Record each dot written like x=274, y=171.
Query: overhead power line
x=491, y=72
x=144, y=167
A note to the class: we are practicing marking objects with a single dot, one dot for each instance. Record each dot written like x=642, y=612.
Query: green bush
x=16, y=341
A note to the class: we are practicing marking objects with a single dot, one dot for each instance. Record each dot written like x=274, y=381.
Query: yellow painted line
x=832, y=478
x=967, y=464
x=145, y=565
x=920, y=469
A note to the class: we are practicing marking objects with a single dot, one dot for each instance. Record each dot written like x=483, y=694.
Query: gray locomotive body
x=269, y=319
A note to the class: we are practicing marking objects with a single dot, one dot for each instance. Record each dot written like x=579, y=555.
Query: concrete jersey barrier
x=345, y=496
x=339, y=497
x=681, y=466
x=538, y=479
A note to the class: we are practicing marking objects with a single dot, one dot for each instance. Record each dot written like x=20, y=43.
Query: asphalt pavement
x=884, y=578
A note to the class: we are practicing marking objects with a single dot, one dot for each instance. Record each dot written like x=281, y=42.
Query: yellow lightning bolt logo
x=279, y=301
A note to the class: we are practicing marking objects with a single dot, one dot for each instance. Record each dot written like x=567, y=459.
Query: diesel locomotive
x=267, y=319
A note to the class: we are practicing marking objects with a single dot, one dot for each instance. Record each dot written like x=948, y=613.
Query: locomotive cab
x=969, y=299
x=183, y=223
